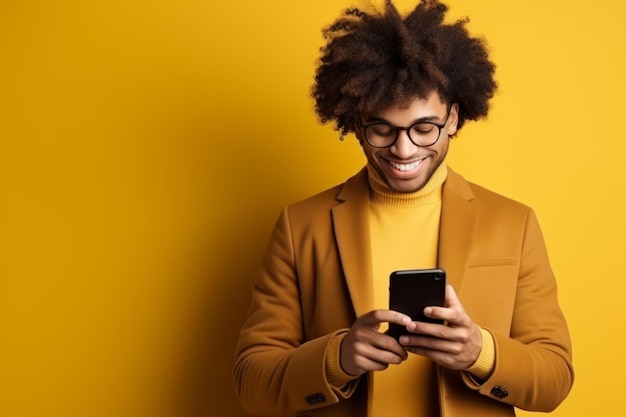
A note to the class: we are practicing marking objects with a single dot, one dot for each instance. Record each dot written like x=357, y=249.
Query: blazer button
x=499, y=392
x=315, y=398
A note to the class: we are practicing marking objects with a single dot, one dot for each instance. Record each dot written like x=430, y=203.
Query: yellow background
x=147, y=147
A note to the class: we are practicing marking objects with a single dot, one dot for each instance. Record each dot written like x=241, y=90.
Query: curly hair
x=374, y=60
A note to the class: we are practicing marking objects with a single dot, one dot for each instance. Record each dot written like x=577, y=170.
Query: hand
x=365, y=349
x=455, y=345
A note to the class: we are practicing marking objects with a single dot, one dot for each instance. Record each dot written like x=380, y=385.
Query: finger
x=452, y=299
x=430, y=329
x=374, y=347
x=452, y=312
x=389, y=357
x=387, y=344
x=376, y=317
x=441, y=358
x=372, y=365
x=368, y=363
x=413, y=342
x=450, y=355
x=367, y=340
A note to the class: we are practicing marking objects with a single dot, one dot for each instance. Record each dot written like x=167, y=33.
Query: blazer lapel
x=351, y=224
x=458, y=219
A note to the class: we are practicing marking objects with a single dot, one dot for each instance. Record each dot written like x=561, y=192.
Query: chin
x=407, y=188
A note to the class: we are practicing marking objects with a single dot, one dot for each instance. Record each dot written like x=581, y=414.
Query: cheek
x=370, y=154
x=442, y=147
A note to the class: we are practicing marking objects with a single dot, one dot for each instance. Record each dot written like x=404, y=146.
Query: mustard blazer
x=316, y=278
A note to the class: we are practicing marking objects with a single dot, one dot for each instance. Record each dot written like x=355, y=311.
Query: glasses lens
x=424, y=134
x=380, y=134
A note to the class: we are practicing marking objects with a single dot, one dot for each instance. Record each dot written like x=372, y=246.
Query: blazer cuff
x=335, y=374
x=483, y=367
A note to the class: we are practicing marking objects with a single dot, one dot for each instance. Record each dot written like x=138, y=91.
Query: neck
x=381, y=193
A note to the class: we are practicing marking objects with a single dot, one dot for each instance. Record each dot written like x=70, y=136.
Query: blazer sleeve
x=276, y=369
x=533, y=368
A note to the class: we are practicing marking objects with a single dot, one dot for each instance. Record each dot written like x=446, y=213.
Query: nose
x=403, y=147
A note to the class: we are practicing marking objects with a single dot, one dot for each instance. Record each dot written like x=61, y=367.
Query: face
x=406, y=167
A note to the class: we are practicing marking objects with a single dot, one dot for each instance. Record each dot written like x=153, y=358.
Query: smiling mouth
x=405, y=167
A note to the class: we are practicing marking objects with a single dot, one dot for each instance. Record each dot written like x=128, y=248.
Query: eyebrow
x=373, y=119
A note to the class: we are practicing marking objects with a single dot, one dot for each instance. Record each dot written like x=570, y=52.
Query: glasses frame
x=398, y=129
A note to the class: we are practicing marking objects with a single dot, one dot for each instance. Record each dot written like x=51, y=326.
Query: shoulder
x=470, y=190
x=313, y=216
x=498, y=221
x=327, y=199
x=489, y=197
x=486, y=200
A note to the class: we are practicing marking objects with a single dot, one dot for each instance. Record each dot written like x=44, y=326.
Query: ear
x=358, y=132
x=453, y=119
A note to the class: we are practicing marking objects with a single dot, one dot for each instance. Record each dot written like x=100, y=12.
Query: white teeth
x=405, y=167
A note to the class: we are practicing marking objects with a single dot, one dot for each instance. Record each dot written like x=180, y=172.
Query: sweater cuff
x=483, y=367
x=335, y=375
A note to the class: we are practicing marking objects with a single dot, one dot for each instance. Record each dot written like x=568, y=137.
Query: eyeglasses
x=385, y=134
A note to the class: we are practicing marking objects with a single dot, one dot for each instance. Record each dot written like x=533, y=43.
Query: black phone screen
x=410, y=291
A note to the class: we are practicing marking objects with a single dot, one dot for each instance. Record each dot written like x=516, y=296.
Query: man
x=314, y=341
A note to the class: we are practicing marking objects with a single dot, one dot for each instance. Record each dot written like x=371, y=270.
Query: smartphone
x=410, y=291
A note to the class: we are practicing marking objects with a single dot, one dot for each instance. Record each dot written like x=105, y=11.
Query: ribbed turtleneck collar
x=381, y=194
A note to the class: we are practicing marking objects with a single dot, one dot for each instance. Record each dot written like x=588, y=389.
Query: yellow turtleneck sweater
x=404, y=231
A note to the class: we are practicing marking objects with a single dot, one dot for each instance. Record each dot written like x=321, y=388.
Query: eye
x=381, y=129
x=423, y=128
